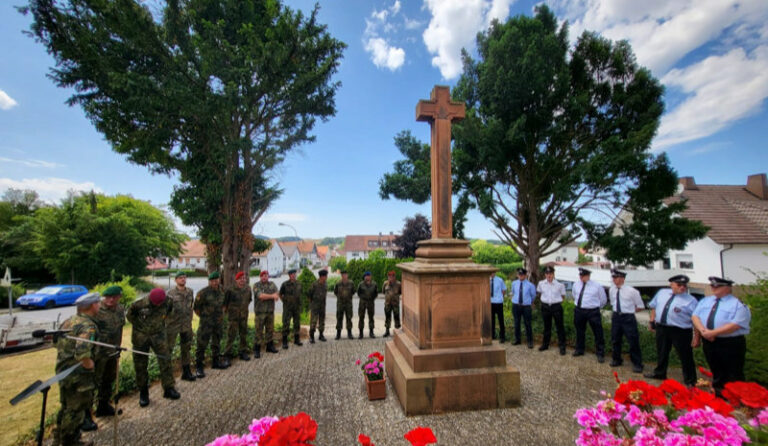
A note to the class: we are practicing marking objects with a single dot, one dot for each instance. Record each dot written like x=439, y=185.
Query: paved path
x=322, y=380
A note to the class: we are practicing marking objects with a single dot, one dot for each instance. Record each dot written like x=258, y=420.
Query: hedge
x=129, y=292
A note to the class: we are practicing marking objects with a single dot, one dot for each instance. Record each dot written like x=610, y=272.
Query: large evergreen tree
x=217, y=91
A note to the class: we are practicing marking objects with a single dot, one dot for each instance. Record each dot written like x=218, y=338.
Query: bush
x=756, y=365
x=188, y=272
x=142, y=285
x=129, y=292
x=508, y=270
x=17, y=290
x=254, y=272
x=306, y=277
x=377, y=267
x=337, y=263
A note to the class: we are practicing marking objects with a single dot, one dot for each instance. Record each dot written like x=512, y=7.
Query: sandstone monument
x=443, y=358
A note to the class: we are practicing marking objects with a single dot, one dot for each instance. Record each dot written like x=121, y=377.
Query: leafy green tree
x=261, y=245
x=415, y=229
x=306, y=277
x=17, y=209
x=377, y=254
x=217, y=91
x=331, y=241
x=484, y=252
x=338, y=263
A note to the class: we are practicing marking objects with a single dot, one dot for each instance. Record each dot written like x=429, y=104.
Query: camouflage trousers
x=237, y=326
x=106, y=373
x=185, y=343
x=343, y=310
x=265, y=328
x=208, y=332
x=317, y=319
x=291, y=313
x=158, y=342
x=362, y=307
x=392, y=308
x=76, y=396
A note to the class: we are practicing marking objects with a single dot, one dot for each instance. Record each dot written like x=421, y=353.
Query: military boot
x=88, y=424
x=361, y=333
x=386, y=333
x=296, y=340
x=186, y=373
x=171, y=394
x=244, y=356
x=216, y=363
x=285, y=343
x=257, y=351
x=349, y=334
x=224, y=362
x=370, y=333
x=199, y=373
x=271, y=348
x=338, y=334
x=311, y=336
x=144, y=397
x=104, y=409
x=321, y=338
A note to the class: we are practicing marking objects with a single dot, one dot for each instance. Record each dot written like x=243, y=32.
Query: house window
x=372, y=243
x=384, y=244
x=685, y=261
x=666, y=263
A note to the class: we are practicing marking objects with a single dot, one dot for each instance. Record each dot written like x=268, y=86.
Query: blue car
x=52, y=296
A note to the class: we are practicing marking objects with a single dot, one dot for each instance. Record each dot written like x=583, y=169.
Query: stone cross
x=440, y=112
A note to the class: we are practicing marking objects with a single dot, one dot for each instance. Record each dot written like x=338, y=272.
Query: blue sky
x=712, y=56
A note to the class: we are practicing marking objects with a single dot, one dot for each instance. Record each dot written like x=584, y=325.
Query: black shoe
x=361, y=333
x=543, y=347
x=105, y=410
x=338, y=334
x=271, y=347
x=144, y=397
x=199, y=373
x=311, y=337
x=321, y=338
x=516, y=343
x=225, y=362
x=600, y=359
x=616, y=363
x=217, y=363
x=257, y=351
x=285, y=343
x=296, y=341
x=562, y=351
x=502, y=341
x=350, y=335
x=88, y=424
x=186, y=373
x=637, y=368
x=577, y=353
x=386, y=333
x=530, y=345
x=652, y=375
x=370, y=333
x=244, y=356
x=171, y=394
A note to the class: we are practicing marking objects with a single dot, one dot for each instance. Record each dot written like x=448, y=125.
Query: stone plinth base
x=450, y=379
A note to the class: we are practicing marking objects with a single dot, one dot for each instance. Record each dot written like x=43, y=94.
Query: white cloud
x=395, y=7
x=383, y=55
x=411, y=24
x=284, y=217
x=719, y=90
x=6, y=102
x=454, y=25
x=49, y=189
x=31, y=163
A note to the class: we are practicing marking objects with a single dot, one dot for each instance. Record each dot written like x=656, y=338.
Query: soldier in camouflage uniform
x=264, y=294
x=236, y=301
x=148, y=316
x=209, y=306
x=290, y=294
x=367, y=292
x=76, y=390
x=391, y=290
x=317, y=293
x=110, y=320
x=344, y=290
x=179, y=323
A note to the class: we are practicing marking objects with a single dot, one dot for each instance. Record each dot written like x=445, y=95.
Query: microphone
x=44, y=333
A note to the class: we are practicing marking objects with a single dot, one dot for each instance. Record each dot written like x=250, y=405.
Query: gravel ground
x=322, y=380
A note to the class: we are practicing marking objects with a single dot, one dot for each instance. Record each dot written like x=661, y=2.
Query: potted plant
x=373, y=370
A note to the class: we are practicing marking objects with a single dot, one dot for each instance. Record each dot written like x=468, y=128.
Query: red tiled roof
x=305, y=247
x=192, y=248
x=322, y=251
x=360, y=242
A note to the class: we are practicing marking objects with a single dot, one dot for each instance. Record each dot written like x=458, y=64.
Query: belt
x=521, y=305
x=623, y=314
x=550, y=305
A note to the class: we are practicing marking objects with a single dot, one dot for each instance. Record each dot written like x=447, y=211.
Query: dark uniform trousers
x=668, y=336
x=497, y=312
x=363, y=306
x=158, y=342
x=725, y=357
x=582, y=317
x=549, y=312
x=524, y=312
x=625, y=324
x=106, y=373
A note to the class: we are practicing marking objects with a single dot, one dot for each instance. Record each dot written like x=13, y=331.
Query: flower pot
x=377, y=390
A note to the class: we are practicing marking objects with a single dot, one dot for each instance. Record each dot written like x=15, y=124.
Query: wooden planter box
x=377, y=390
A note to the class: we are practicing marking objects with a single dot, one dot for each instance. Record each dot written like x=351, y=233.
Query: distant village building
x=358, y=247
x=307, y=251
x=271, y=260
x=192, y=256
x=566, y=253
x=291, y=256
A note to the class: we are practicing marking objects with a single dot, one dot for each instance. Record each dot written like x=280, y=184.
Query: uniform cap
x=322, y=273
x=682, y=279
x=715, y=282
x=549, y=269
x=214, y=275
x=584, y=272
x=113, y=290
x=87, y=299
x=239, y=275
x=264, y=273
x=522, y=271
x=157, y=296
x=291, y=271
x=367, y=273
x=617, y=273
x=181, y=274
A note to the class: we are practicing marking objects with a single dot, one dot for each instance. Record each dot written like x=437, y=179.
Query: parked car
x=52, y=296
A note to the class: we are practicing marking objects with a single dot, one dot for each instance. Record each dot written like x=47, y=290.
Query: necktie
x=618, y=300
x=666, y=310
x=520, y=293
x=711, y=317
x=581, y=294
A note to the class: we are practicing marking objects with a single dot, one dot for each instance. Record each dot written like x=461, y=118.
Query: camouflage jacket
x=290, y=293
x=264, y=306
x=367, y=292
x=181, y=301
x=209, y=304
x=69, y=352
x=237, y=300
x=148, y=318
x=344, y=291
x=317, y=293
x=110, y=323
x=391, y=292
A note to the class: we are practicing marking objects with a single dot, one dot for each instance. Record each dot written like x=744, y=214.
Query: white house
x=291, y=256
x=272, y=260
x=192, y=256
x=358, y=247
x=566, y=253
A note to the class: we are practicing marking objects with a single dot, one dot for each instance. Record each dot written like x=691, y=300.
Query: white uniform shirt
x=551, y=292
x=630, y=299
x=594, y=294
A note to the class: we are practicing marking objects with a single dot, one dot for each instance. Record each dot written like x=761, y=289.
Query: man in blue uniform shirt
x=671, y=311
x=625, y=301
x=523, y=294
x=498, y=290
x=723, y=320
x=590, y=297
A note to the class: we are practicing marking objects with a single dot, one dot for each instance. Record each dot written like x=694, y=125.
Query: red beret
x=391, y=273
x=239, y=275
x=157, y=296
x=264, y=273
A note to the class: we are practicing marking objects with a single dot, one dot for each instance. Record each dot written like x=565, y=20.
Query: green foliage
x=582, y=259
x=337, y=263
x=332, y=281
x=188, y=272
x=507, y=270
x=378, y=268
x=331, y=241
x=484, y=252
x=306, y=278
x=377, y=254
x=756, y=298
x=415, y=229
x=129, y=292
x=17, y=209
x=142, y=285
x=261, y=245
x=17, y=290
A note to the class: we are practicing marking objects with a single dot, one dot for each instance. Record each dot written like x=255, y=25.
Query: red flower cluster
x=746, y=394
x=364, y=440
x=670, y=391
x=705, y=372
x=376, y=355
x=295, y=430
x=640, y=393
x=421, y=436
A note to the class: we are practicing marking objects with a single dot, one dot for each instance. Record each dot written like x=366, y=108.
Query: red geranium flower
x=296, y=430
x=364, y=440
x=376, y=355
x=699, y=399
x=420, y=436
x=616, y=377
x=746, y=393
x=640, y=393
x=672, y=387
x=705, y=372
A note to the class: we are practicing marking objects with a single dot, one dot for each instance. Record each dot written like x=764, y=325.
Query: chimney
x=757, y=186
x=688, y=183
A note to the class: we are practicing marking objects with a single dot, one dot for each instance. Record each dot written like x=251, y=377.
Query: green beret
x=213, y=275
x=181, y=274
x=113, y=290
